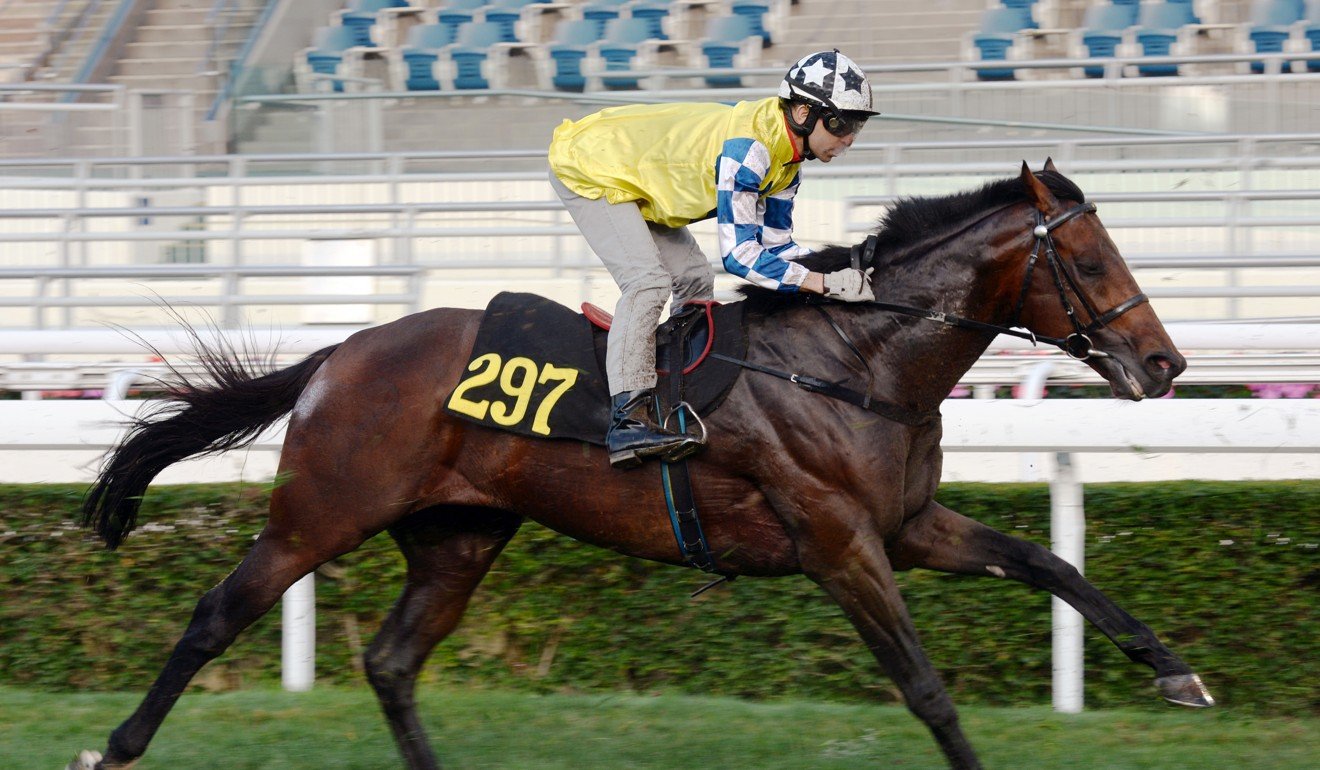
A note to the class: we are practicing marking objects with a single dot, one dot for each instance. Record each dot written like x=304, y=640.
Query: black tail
x=199, y=419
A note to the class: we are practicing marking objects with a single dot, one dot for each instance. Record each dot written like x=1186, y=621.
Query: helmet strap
x=805, y=128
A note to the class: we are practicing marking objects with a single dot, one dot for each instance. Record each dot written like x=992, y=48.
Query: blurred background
x=284, y=172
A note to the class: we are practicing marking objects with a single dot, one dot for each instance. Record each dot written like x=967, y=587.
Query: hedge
x=1226, y=574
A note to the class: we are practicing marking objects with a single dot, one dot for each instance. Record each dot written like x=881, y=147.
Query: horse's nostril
x=1162, y=365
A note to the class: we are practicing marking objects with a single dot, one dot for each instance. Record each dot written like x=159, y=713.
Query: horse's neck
x=917, y=362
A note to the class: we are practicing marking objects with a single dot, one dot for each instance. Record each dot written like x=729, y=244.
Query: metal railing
x=1236, y=222
x=125, y=122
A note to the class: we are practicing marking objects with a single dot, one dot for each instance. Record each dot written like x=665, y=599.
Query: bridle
x=1078, y=344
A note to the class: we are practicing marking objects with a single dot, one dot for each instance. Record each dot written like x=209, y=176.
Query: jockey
x=633, y=177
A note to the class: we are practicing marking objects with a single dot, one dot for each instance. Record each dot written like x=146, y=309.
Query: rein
x=1076, y=345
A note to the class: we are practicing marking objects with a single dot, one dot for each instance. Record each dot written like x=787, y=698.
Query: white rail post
x=299, y=637
x=1068, y=541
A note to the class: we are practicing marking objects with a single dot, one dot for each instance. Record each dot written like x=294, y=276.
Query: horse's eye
x=1090, y=267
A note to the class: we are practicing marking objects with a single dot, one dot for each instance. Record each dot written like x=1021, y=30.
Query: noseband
x=1078, y=344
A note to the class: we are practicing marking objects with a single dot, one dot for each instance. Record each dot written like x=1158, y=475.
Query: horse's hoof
x=86, y=760
x=1185, y=690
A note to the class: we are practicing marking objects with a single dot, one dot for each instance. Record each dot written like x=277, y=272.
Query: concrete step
x=195, y=82
x=169, y=17
x=204, y=5
x=171, y=33
x=18, y=20
x=13, y=33
x=192, y=49
x=19, y=53
x=159, y=69
x=42, y=8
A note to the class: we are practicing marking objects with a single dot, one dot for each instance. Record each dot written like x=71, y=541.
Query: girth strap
x=839, y=392
x=674, y=476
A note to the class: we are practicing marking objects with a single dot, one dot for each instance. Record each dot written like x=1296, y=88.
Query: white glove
x=850, y=285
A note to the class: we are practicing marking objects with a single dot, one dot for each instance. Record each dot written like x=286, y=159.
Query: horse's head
x=1077, y=286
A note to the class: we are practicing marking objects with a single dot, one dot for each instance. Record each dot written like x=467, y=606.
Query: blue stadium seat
x=507, y=13
x=1157, y=32
x=725, y=44
x=327, y=52
x=471, y=53
x=1311, y=32
x=1024, y=7
x=564, y=56
x=360, y=16
x=619, y=50
x=602, y=12
x=655, y=14
x=1131, y=9
x=998, y=31
x=1102, y=32
x=1269, y=27
x=421, y=53
x=456, y=13
x=1192, y=18
x=755, y=11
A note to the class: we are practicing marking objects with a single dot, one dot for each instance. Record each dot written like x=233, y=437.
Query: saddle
x=538, y=369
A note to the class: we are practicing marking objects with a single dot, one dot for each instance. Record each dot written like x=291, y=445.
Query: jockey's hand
x=850, y=285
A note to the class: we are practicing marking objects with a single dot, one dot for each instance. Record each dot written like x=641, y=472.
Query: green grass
x=341, y=728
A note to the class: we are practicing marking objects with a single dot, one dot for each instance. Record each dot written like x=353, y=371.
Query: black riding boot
x=634, y=435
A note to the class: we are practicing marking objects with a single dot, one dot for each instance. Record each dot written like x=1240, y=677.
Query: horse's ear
x=1049, y=166
x=1039, y=195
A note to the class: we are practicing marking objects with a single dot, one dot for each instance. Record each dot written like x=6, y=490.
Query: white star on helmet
x=815, y=73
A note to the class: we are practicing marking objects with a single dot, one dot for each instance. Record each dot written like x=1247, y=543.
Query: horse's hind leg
x=220, y=616
x=944, y=540
x=449, y=551
x=281, y=555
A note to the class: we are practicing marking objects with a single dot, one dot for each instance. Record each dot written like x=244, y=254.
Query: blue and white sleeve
x=754, y=235
x=777, y=233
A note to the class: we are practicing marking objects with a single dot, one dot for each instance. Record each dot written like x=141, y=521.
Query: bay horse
x=791, y=483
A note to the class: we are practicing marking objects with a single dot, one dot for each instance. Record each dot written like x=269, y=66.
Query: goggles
x=842, y=124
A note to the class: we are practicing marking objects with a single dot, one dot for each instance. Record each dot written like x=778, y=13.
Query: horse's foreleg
x=448, y=553
x=941, y=539
x=859, y=577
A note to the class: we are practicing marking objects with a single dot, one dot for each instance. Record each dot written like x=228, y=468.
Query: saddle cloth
x=537, y=369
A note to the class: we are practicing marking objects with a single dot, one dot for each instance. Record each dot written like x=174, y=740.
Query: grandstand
x=196, y=66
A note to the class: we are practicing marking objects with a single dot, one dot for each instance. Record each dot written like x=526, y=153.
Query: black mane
x=915, y=219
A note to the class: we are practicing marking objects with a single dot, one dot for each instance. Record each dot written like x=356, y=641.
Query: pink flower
x=1281, y=389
